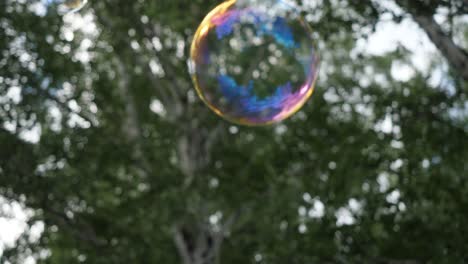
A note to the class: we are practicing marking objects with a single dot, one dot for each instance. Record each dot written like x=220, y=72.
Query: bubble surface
x=254, y=63
x=67, y=6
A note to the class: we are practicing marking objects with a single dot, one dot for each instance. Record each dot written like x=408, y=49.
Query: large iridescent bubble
x=67, y=6
x=253, y=62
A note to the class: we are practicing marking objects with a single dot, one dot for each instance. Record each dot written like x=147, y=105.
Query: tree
x=117, y=182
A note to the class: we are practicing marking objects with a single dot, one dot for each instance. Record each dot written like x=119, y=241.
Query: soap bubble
x=67, y=6
x=253, y=62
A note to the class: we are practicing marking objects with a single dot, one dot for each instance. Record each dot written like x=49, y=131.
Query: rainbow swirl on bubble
x=253, y=65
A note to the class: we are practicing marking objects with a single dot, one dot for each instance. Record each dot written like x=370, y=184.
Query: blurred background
x=108, y=156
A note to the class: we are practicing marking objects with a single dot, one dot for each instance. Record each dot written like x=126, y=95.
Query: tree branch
x=181, y=247
x=455, y=55
x=81, y=231
x=131, y=126
x=66, y=108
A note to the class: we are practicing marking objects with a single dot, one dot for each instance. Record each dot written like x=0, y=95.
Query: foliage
x=115, y=182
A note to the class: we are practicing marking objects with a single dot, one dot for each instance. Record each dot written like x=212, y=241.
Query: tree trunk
x=197, y=246
x=197, y=241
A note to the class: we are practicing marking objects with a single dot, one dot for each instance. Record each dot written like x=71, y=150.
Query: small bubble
x=67, y=6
